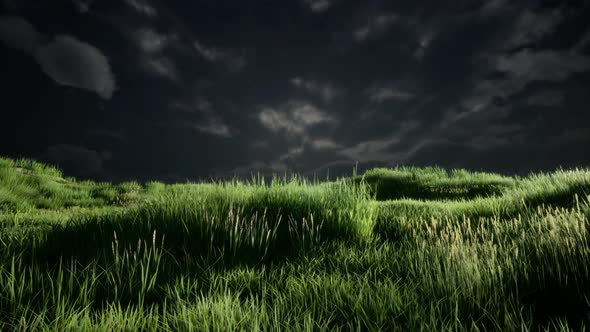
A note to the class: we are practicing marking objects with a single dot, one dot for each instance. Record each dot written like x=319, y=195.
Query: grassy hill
x=393, y=249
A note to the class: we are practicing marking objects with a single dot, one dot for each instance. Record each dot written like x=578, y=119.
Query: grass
x=392, y=250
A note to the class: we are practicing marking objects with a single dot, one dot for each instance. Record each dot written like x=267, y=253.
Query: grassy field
x=405, y=249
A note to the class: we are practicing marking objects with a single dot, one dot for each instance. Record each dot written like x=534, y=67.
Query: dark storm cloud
x=168, y=50
x=312, y=85
x=468, y=63
x=65, y=59
x=521, y=69
x=473, y=120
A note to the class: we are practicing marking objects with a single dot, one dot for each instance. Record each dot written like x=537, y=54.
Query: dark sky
x=170, y=90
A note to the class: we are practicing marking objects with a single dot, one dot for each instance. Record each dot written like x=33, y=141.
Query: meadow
x=402, y=249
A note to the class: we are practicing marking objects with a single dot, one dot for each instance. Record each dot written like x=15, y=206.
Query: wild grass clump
x=288, y=254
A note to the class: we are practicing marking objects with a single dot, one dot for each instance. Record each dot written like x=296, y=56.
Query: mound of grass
x=434, y=251
x=26, y=185
x=433, y=183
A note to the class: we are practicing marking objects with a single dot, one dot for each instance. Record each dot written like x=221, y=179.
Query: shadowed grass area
x=443, y=252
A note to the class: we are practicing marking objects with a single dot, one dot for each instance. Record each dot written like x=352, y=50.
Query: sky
x=190, y=90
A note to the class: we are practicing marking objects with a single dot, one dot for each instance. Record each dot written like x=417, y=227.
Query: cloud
x=65, y=59
x=215, y=127
x=371, y=150
x=83, y=6
x=545, y=65
x=520, y=69
x=142, y=7
x=294, y=117
x=211, y=126
x=209, y=53
x=424, y=42
x=326, y=91
x=517, y=25
x=324, y=143
x=162, y=66
x=380, y=149
x=471, y=115
x=374, y=26
x=74, y=63
x=19, y=34
x=583, y=43
x=215, y=55
x=204, y=118
x=483, y=118
x=292, y=154
x=381, y=94
x=319, y=6
x=532, y=26
x=493, y=7
x=151, y=41
x=152, y=45
x=297, y=121
x=199, y=104
x=78, y=158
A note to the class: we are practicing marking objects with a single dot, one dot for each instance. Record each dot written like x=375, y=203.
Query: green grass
x=433, y=183
x=403, y=249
